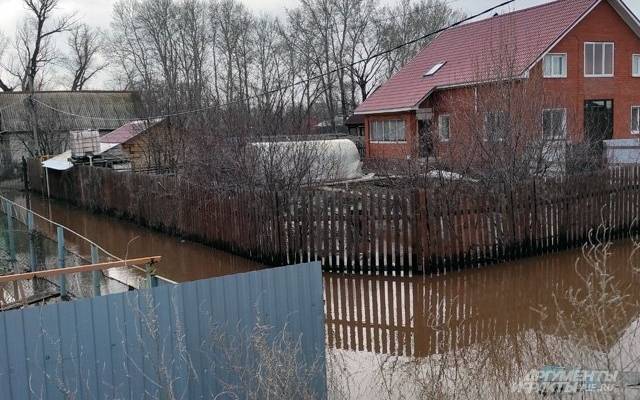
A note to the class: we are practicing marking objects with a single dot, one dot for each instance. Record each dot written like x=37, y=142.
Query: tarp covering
x=321, y=160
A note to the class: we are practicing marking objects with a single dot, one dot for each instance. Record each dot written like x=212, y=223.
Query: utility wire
x=294, y=84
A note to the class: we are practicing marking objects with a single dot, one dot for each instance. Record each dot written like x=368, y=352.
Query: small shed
x=138, y=141
x=355, y=125
x=58, y=113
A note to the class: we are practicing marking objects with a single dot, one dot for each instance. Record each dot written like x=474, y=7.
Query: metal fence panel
x=160, y=342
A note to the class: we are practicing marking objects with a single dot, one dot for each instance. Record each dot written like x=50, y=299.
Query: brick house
x=585, y=53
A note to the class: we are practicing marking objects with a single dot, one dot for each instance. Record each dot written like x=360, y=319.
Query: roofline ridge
x=511, y=13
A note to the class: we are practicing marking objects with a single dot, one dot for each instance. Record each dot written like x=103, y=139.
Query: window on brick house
x=635, y=120
x=387, y=131
x=598, y=59
x=444, y=127
x=636, y=65
x=555, y=66
x=554, y=124
x=495, y=125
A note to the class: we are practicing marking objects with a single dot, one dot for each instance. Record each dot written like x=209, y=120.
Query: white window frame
x=613, y=60
x=635, y=74
x=636, y=132
x=387, y=141
x=440, y=118
x=564, y=65
x=564, y=123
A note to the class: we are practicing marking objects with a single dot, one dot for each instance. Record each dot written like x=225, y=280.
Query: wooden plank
x=397, y=234
x=365, y=240
x=422, y=232
x=356, y=231
x=80, y=268
x=353, y=249
x=435, y=250
x=474, y=226
x=408, y=222
x=386, y=220
x=340, y=232
x=376, y=233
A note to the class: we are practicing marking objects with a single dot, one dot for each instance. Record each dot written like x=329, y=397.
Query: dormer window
x=435, y=69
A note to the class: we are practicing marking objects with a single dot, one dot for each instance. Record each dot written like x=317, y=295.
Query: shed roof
x=464, y=49
x=128, y=131
x=354, y=120
x=108, y=110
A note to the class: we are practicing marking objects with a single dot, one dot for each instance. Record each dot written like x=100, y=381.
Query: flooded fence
x=398, y=232
x=252, y=335
x=35, y=252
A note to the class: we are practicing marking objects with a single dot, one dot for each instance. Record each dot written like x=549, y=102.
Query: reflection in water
x=181, y=260
x=420, y=316
x=404, y=337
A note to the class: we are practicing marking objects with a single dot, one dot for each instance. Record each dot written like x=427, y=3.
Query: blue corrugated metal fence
x=188, y=341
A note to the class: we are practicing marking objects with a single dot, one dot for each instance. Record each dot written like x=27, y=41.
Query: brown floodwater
x=426, y=315
x=371, y=318
x=182, y=260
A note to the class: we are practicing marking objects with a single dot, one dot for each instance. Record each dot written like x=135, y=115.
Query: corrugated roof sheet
x=109, y=109
x=468, y=47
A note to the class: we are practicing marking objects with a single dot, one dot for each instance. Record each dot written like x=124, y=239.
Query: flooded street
x=402, y=337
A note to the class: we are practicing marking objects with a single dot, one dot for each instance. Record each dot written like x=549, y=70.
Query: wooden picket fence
x=398, y=232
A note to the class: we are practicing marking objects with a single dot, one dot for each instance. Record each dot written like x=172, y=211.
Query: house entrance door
x=598, y=125
x=598, y=120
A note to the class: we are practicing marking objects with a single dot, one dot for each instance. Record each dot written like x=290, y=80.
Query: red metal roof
x=127, y=131
x=465, y=49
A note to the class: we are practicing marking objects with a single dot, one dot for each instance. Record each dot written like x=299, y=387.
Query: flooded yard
x=466, y=334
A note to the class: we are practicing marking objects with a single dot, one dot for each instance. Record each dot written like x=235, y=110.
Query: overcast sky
x=98, y=12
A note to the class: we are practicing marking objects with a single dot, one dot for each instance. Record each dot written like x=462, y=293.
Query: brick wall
x=392, y=150
x=603, y=24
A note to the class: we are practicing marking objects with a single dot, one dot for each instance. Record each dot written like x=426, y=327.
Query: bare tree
x=34, y=46
x=4, y=44
x=408, y=20
x=84, y=63
x=365, y=38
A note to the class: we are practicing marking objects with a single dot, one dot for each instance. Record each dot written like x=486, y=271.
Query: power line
x=294, y=84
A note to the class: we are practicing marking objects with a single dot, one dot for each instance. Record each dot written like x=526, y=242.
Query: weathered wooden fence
x=197, y=340
x=376, y=232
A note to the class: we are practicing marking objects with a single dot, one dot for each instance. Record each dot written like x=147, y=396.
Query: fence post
x=95, y=275
x=11, y=244
x=31, y=232
x=25, y=174
x=63, y=279
x=152, y=279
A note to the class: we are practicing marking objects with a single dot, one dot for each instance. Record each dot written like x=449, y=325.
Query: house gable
x=624, y=14
x=533, y=32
